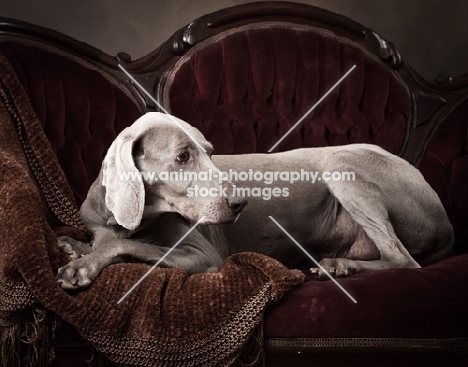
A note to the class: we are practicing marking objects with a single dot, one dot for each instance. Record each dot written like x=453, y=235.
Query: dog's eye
x=183, y=157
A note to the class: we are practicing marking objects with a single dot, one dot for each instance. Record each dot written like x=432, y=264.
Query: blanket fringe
x=252, y=354
x=26, y=343
x=99, y=360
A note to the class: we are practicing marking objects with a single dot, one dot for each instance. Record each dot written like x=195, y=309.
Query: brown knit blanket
x=168, y=320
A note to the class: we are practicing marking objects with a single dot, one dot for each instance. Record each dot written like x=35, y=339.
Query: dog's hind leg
x=364, y=203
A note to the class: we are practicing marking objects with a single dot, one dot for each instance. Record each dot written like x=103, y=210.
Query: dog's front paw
x=77, y=274
x=73, y=248
x=336, y=268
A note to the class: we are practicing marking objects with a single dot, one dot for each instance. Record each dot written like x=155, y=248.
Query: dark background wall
x=431, y=34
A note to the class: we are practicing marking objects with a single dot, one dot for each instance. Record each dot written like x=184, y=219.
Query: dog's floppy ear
x=125, y=192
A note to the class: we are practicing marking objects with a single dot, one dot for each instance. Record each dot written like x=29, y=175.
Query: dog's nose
x=236, y=203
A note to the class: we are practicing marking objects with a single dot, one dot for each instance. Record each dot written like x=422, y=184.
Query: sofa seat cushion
x=427, y=303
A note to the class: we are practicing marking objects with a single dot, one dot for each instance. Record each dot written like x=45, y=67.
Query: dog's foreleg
x=193, y=257
x=73, y=248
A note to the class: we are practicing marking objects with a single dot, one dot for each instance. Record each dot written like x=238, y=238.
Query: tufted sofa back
x=445, y=167
x=246, y=87
x=81, y=108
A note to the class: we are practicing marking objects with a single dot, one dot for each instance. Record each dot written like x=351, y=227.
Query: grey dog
x=387, y=217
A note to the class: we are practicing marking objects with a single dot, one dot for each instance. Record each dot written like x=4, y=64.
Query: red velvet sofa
x=244, y=76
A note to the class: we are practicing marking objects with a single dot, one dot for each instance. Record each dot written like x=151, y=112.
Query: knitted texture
x=170, y=319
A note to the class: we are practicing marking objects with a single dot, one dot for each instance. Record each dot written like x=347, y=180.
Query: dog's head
x=158, y=165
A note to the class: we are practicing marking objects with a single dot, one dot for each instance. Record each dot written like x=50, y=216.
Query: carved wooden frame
x=430, y=101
